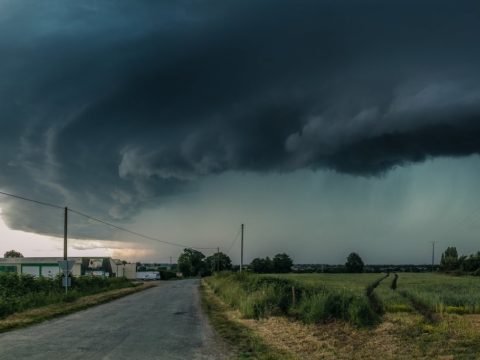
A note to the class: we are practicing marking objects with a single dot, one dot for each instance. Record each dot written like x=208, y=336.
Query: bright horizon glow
x=34, y=245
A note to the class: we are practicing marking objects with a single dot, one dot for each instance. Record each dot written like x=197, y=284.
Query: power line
x=33, y=201
x=234, y=241
x=137, y=233
x=44, y=203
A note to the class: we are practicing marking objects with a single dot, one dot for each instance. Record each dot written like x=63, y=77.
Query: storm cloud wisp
x=112, y=105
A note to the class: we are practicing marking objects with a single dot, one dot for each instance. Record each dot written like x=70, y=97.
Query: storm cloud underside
x=113, y=107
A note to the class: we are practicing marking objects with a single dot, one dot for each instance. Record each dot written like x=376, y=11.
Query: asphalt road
x=165, y=322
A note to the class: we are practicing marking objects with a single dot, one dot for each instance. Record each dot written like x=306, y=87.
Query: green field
x=441, y=293
x=330, y=316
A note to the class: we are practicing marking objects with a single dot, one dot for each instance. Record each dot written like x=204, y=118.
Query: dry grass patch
x=400, y=336
x=37, y=315
x=244, y=342
x=336, y=340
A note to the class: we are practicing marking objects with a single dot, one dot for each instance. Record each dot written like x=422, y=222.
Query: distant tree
x=471, y=263
x=354, y=263
x=257, y=265
x=191, y=263
x=449, y=260
x=218, y=261
x=13, y=254
x=262, y=266
x=282, y=263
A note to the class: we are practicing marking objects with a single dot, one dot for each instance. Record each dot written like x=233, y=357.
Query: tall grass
x=257, y=296
x=22, y=292
x=439, y=292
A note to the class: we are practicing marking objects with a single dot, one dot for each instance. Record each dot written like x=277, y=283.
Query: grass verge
x=259, y=297
x=246, y=344
x=43, y=313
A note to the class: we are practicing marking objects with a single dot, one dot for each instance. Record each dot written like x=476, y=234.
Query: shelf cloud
x=113, y=106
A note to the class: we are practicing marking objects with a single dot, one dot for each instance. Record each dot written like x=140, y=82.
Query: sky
x=324, y=126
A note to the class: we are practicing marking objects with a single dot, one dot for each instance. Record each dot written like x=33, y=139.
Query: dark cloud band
x=111, y=105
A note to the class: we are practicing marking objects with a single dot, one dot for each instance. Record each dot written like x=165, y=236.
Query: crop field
x=354, y=316
x=439, y=292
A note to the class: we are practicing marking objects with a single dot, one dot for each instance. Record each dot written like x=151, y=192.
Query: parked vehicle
x=148, y=275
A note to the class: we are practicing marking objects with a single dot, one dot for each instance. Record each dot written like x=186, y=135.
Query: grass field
x=330, y=316
x=441, y=293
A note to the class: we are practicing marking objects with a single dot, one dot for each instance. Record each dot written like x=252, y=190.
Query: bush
x=167, y=275
x=22, y=292
x=71, y=296
x=6, y=308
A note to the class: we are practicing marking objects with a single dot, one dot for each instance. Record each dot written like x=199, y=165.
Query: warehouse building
x=49, y=267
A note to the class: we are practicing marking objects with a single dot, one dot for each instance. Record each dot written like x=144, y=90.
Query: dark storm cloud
x=110, y=105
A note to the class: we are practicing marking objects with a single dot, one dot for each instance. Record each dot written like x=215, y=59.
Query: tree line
x=194, y=263
x=451, y=262
x=281, y=263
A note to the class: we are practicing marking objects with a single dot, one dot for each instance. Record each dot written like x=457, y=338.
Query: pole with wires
x=65, y=247
x=433, y=255
x=241, y=248
x=65, y=234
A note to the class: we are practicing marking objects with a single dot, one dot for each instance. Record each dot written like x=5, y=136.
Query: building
x=49, y=267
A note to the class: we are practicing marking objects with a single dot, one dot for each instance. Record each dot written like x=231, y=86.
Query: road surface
x=164, y=322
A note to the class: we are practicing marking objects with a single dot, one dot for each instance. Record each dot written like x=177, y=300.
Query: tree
x=218, y=262
x=354, y=263
x=471, y=263
x=282, y=263
x=13, y=254
x=262, y=266
x=449, y=259
x=191, y=263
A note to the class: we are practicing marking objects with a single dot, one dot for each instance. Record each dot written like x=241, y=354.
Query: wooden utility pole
x=433, y=254
x=241, y=250
x=218, y=259
x=65, y=233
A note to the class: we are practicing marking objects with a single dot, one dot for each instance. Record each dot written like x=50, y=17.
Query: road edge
x=245, y=343
x=38, y=315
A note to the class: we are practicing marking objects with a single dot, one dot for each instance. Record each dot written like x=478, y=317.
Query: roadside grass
x=259, y=296
x=20, y=292
x=406, y=331
x=246, y=344
x=39, y=314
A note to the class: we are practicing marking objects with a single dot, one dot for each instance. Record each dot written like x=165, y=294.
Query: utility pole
x=218, y=259
x=65, y=255
x=433, y=254
x=241, y=250
x=65, y=233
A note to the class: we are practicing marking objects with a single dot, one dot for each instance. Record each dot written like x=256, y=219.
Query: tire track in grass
x=419, y=306
x=393, y=285
x=373, y=299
